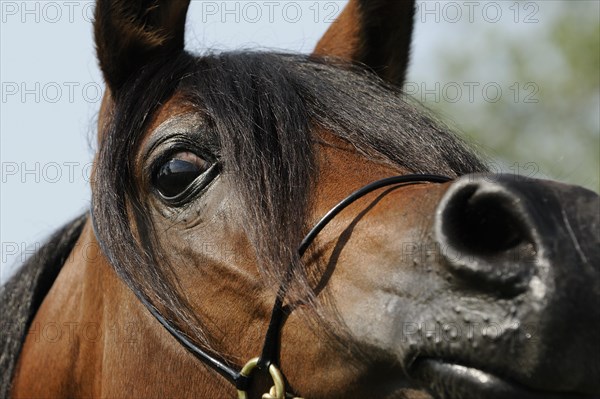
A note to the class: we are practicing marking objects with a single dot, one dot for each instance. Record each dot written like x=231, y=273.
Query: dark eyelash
x=182, y=144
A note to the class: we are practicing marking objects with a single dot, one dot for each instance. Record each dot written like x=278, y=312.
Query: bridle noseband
x=267, y=362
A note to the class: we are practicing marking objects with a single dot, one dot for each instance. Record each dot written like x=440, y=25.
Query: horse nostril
x=482, y=223
x=485, y=235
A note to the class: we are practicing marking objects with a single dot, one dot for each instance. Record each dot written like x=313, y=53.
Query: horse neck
x=91, y=337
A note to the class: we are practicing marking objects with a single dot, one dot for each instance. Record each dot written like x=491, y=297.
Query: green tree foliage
x=546, y=123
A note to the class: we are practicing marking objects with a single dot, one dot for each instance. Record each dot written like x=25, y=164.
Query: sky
x=51, y=86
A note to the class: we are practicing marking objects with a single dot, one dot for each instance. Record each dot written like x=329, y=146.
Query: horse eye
x=178, y=173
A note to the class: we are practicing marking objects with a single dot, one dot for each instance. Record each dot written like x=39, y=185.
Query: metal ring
x=246, y=371
x=277, y=383
x=278, y=389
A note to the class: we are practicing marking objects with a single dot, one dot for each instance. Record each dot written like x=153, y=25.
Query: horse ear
x=376, y=33
x=131, y=33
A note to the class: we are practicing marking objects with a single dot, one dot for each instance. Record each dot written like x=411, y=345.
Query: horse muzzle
x=523, y=256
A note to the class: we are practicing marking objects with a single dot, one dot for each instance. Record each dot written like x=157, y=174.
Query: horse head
x=211, y=170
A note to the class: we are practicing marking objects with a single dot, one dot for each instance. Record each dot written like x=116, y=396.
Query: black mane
x=264, y=109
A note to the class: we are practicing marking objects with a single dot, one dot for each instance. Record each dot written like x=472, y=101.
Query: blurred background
x=518, y=79
x=525, y=88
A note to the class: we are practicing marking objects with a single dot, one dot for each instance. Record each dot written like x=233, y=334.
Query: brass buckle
x=277, y=391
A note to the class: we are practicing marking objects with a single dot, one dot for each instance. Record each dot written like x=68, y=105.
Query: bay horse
x=293, y=226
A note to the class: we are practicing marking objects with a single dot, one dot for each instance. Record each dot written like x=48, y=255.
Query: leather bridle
x=268, y=362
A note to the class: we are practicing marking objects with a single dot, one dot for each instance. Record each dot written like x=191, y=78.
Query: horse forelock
x=264, y=108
